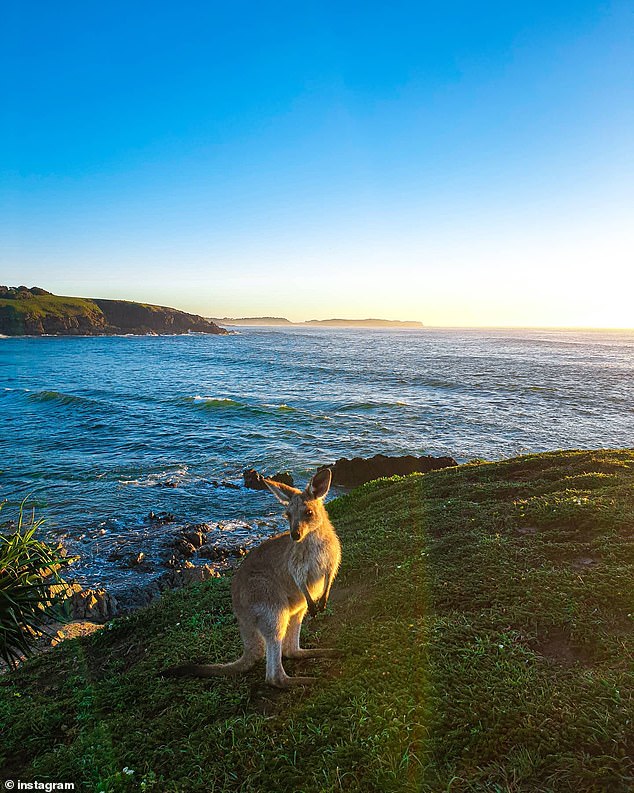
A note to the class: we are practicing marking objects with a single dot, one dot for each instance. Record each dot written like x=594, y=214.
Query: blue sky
x=458, y=163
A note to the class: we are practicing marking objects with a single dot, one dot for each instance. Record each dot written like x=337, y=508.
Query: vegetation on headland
x=37, y=312
x=486, y=617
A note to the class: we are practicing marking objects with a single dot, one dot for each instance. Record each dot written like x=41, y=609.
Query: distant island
x=36, y=312
x=251, y=320
x=329, y=323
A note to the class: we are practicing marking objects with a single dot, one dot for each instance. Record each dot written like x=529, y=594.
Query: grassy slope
x=486, y=616
x=52, y=305
x=59, y=306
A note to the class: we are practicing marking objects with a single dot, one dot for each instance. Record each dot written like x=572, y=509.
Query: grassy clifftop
x=36, y=312
x=486, y=617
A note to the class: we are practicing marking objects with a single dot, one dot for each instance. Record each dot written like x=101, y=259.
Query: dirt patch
x=584, y=562
x=558, y=648
x=74, y=630
x=578, y=556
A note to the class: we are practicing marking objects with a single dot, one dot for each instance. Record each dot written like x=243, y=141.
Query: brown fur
x=278, y=582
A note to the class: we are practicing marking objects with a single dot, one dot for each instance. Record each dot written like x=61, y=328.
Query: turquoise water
x=92, y=427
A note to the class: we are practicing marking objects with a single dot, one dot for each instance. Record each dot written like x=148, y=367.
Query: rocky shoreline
x=191, y=554
x=182, y=554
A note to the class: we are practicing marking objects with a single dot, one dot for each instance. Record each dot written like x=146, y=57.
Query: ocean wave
x=372, y=405
x=59, y=398
x=214, y=403
x=226, y=403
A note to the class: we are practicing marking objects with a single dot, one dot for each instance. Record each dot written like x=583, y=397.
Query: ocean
x=99, y=432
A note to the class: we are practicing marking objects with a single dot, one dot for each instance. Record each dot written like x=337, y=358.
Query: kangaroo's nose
x=295, y=534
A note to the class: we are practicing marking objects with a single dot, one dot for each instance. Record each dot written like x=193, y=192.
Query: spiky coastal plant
x=29, y=571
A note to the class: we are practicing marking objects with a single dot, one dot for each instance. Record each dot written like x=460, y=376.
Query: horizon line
x=452, y=327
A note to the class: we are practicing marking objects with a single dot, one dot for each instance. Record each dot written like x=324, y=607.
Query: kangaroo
x=278, y=582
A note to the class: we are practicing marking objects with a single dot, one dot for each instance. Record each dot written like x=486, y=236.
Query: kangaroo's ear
x=282, y=492
x=319, y=485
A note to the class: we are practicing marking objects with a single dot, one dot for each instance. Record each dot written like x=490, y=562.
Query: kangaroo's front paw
x=313, y=609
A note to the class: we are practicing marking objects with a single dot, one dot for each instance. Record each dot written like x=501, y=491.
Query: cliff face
x=143, y=318
x=31, y=312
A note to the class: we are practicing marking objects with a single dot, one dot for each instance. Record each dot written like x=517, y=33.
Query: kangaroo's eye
x=309, y=513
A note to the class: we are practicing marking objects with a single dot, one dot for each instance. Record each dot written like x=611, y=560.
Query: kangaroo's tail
x=209, y=670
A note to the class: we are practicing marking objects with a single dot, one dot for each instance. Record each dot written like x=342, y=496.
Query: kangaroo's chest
x=311, y=562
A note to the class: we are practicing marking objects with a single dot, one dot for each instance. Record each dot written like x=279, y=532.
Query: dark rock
x=358, y=471
x=128, y=559
x=175, y=579
x=96, y=605
x=255, y=481
x=196, y=534
x=178, y=562
x=161, y=517
x=220, y=552
x=224, y=483
x=173, y=561
x=183, y=547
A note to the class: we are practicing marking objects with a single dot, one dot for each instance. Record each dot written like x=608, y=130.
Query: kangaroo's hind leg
x=273, y=627
x=291, y=648
x=253, y=642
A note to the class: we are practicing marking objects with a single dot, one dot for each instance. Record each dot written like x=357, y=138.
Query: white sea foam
x=199, y=398
x=161, y=478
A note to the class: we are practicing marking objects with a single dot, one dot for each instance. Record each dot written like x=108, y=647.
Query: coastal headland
x=36, y=312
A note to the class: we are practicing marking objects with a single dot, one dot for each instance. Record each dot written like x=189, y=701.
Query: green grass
x=39, y=306
x=485, y=614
